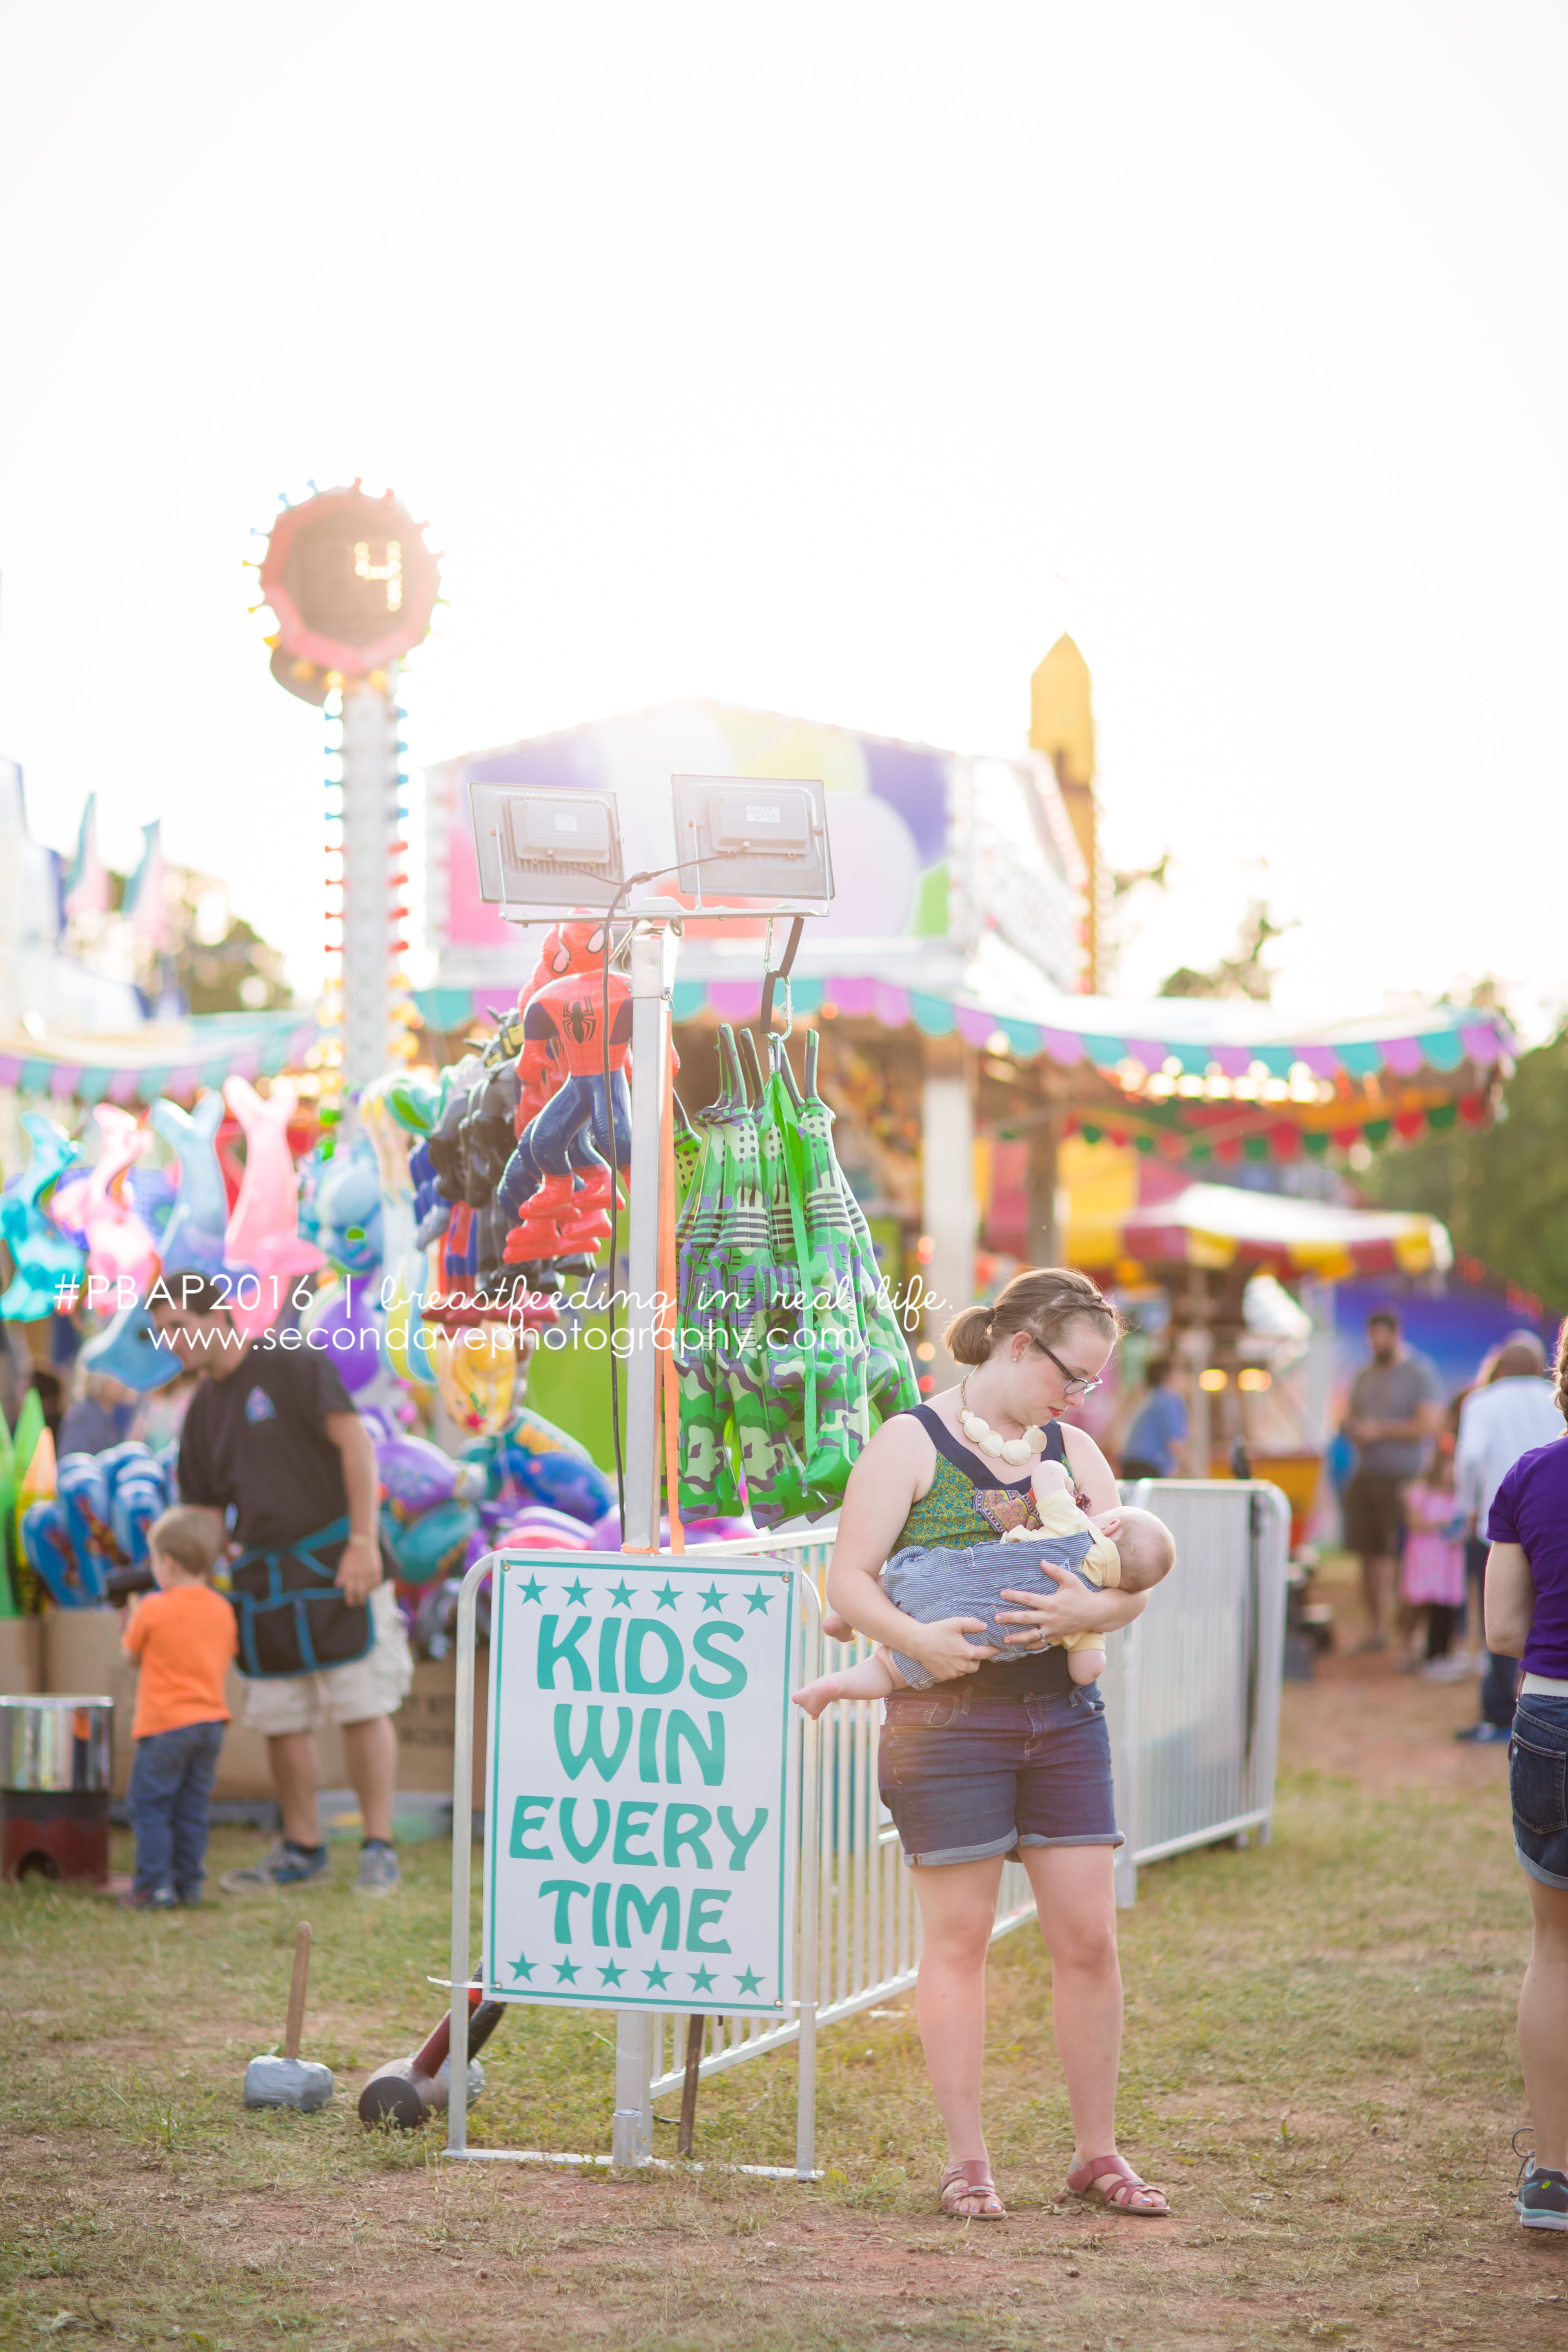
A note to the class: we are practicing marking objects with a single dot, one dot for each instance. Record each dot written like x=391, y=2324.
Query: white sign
x=640, y=1812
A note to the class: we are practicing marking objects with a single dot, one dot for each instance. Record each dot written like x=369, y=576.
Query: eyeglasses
x=1077, y=1384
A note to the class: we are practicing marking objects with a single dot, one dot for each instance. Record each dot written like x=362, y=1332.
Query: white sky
x=832, y=358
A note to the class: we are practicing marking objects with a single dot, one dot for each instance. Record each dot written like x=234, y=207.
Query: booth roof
x=1220, y=1225
x=175, y=1057
x=996, y=1000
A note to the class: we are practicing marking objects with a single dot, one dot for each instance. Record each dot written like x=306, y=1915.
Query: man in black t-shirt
x=272, y=1437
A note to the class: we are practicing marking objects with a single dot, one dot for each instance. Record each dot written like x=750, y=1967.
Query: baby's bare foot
x=812, y=1697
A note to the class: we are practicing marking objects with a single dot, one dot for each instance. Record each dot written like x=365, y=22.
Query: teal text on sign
x=639, y=1798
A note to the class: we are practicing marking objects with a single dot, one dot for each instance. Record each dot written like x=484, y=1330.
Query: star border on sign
x=531, y=1590
x=622, y=1596
x=750, y=1982
x=658, y=1978
x=702, y=1980
x=611, y=1973
x=523, y=1966
x=567, y=1970
x=757, y=1599
x=575, y=1594
x=713, y=1599
x=666, y=1595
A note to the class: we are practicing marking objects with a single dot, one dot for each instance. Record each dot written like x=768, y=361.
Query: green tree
x=1501, y=1190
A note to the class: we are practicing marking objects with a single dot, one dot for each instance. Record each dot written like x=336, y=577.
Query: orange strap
x=669, y=1384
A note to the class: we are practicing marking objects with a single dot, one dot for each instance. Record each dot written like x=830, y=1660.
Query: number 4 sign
x=639, y=1829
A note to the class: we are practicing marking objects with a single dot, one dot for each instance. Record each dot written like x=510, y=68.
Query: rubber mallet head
x=405, y=2091
x=291, y=2081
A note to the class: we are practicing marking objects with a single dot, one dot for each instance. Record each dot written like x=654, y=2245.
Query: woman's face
x=1038, y=1386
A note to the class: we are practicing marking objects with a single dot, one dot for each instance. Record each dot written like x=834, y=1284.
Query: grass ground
x=1320, y=2070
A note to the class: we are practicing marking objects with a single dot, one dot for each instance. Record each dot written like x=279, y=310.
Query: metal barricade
x=1192, y=1687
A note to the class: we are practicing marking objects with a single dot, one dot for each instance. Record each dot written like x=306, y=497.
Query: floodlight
x=540, y=852
x=753, y=837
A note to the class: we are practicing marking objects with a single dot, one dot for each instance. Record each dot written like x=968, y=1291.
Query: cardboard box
x=21, y=1655
x=81, y=1652
x=427, y=1726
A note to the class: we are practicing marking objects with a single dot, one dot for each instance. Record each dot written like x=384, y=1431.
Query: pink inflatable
x=263, y=1236
x=97, y=1207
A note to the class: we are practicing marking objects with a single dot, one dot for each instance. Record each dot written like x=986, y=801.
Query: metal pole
x=462, y=1854
x=652, y=980
x=371, y=824
x=810, y=1850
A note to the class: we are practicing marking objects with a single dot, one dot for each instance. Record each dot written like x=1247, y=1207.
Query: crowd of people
x=1417, y=1503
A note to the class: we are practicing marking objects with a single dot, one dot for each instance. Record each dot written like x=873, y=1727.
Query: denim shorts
x=1537, y=1785
x=966, y=1774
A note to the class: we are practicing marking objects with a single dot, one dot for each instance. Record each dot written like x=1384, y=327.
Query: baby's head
x=1146, y=1548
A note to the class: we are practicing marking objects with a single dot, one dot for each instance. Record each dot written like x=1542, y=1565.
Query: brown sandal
x=1127, y=2193
x=970, y=2179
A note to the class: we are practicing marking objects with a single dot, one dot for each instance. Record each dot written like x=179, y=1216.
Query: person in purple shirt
x=1527, y=1618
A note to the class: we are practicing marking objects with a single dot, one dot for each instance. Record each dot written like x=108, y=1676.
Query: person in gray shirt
x=1396, y=1412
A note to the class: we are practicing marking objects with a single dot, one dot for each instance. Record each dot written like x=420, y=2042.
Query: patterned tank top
x=947, y=1515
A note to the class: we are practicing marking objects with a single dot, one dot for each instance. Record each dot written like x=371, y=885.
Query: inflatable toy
x=81, y=1493
x=342, y=1322
x=428, y=1546
x=192, y=1240
x=43, y=1257
x=130, y=1352
x=262, y=1235
x=416, y=1475
x=95, y=1208
x=49, y=1553
x=476, y=1374
x=564, y=1059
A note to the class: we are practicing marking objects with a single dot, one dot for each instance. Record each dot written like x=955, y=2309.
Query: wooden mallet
x=291, y=2081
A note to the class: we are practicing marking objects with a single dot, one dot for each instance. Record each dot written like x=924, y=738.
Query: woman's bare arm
x=1092, y=1473
x=883, y=1486
x=1508, y=1601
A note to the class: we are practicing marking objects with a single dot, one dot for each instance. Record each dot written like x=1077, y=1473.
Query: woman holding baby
x=986, y=1755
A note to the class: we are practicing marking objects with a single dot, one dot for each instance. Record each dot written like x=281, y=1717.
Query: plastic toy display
x=786, y=1350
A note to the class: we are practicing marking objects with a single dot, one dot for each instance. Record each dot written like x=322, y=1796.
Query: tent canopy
x=1217, y=1226
x=161, y=1058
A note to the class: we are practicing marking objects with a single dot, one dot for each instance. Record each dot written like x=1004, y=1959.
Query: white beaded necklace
x=985, y=1440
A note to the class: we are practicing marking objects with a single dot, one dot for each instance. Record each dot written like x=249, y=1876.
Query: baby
x=925, y=1584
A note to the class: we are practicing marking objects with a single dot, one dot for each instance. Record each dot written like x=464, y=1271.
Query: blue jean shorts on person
x=930, y=1582
x=1538, y=1787
x=966, y=1774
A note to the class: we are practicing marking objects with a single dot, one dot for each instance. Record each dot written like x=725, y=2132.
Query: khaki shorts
x=375, y=1685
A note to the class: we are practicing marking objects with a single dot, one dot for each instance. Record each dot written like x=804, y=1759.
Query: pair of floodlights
x=742, y=845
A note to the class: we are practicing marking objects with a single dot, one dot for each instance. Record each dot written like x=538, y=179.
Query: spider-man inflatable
x=557, y=1182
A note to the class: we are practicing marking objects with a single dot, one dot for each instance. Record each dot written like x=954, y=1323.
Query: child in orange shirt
x=183, y=1637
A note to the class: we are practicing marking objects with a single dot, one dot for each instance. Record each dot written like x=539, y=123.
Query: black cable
x=782, y=973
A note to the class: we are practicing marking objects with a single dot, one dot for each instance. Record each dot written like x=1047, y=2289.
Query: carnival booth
x=960, y=1046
